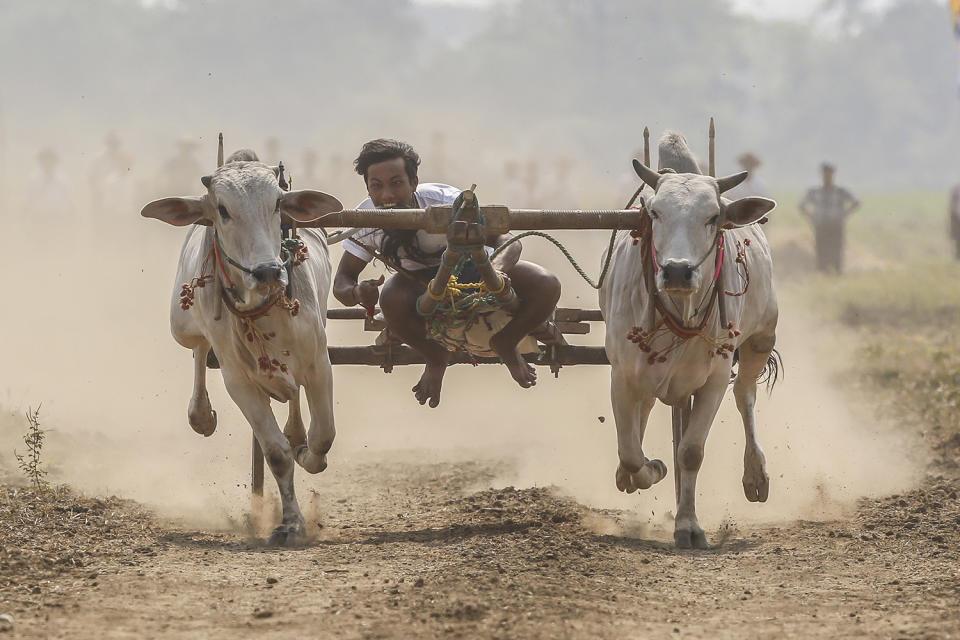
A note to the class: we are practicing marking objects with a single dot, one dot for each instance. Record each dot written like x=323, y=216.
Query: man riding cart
x=471, y=298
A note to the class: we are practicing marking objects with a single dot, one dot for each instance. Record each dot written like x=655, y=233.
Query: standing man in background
x=955, y=219
x=827, y=208
x=753, y=185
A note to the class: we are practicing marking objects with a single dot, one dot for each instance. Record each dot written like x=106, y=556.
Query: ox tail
x=771, y=371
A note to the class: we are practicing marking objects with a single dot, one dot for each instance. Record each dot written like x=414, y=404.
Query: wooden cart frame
x=498, y=220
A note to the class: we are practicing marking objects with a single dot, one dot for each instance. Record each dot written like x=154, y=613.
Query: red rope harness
x=250, y=331
x=643, y=236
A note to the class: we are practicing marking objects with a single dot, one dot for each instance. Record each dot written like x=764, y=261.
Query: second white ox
x=687, y=216
x=268, y=344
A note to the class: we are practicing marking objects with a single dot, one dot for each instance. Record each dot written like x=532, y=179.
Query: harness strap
x=251, y=314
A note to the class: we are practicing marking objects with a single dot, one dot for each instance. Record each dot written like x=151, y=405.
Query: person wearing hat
x=827, y=207
x=752, y=186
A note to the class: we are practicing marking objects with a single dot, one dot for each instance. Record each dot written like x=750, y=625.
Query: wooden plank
x=568, y=355
x=564, y=314
x=571, y=328
x=347, y=313
x=256, y=469
x=578, y=315
x=574, y=328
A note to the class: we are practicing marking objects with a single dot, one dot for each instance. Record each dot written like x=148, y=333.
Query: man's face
x=388, y=184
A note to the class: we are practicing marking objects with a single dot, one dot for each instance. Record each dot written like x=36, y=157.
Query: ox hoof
x=204, y=423
x=311, y=462
x=652, y=472
x=756, y=486
x=287, y=535
x=692, y=538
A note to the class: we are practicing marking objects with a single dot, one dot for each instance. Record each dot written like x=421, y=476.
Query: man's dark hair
x=397, y=243
x=383, y=149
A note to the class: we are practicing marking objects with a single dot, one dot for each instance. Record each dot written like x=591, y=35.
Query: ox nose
x=677, y=274
x=267, y=272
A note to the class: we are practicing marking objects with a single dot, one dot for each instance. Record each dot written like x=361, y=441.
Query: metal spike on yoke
x=646, y=146
x=218, y=283
x=712, y=159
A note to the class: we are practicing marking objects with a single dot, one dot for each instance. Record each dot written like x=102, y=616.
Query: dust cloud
x=87, y=335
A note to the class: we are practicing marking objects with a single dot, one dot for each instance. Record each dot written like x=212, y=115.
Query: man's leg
x=398, y=301
x=539, y=291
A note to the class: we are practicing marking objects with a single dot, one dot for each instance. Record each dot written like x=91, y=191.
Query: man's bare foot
x=430, y=383
x=523, y=373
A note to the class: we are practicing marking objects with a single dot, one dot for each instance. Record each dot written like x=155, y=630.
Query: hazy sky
x=762, y=8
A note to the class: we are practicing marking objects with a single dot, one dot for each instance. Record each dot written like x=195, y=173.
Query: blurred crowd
x=109, y=186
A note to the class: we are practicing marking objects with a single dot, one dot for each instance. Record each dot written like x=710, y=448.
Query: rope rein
x=293, y=252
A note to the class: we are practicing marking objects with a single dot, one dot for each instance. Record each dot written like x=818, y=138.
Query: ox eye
x=223, y=212
x=712, y=221
x=654, y=215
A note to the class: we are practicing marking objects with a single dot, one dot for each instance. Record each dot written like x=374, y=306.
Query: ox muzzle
x=679, y=277
x=269, y=277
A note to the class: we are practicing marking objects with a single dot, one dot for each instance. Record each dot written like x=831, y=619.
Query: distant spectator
x=111, y=184
x=306, y=175
x=955, y=219
x=753, y=185
x=48, y=194
x=559, y=193
x=271, y=150
x=513, y=193
x=181, y=174
x=827, y=207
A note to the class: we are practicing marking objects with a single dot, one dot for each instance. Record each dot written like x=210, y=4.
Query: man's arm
x=805, y=204
x=852, y=204
x=509, y=257
x=348, y=290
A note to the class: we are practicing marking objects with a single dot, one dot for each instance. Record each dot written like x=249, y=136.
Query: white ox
x=265, y=349
x=687, y=214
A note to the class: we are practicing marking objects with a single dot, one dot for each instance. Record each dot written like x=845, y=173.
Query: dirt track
x=415, y=552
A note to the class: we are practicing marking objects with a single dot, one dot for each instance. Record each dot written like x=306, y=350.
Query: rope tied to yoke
x=458, y=305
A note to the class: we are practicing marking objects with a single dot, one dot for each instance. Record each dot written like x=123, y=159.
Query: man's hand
x=367, y=293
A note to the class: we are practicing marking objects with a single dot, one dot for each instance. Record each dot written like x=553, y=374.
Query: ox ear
x=176, y=211
x=729, y=182
x=646, y=174
x=748, y=210
x=306, y=205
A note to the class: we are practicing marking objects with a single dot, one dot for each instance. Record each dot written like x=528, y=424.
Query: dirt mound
x=55, y=533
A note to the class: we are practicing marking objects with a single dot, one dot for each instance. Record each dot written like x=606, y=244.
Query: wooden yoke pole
x=500, y=219
x=712, y=161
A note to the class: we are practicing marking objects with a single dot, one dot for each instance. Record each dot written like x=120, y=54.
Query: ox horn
x=220, y=150
x=729, y=182
x=646, y=174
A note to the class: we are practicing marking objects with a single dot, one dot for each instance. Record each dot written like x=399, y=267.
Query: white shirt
x=426, y=194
